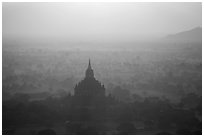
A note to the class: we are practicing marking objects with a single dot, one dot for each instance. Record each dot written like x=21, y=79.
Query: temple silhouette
x=89, y=91
x=89, y=86
x=89, y=101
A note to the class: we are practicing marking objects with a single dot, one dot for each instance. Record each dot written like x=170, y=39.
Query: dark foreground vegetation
x=151, y=115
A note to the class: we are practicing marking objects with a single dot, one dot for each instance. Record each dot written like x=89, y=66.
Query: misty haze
x=102, y=68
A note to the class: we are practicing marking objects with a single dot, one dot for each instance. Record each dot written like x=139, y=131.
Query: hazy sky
x=80, y=21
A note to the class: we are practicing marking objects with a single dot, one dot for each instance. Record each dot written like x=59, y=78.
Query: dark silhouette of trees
x=154, y=113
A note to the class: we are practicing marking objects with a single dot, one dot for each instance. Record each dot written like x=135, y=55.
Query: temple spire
x=89, y=64
x=89, y=71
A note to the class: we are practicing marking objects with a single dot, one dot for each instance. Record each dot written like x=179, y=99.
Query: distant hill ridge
x=194, y=36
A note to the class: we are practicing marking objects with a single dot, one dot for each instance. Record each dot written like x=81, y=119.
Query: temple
x=89, y=101
x=89, y=86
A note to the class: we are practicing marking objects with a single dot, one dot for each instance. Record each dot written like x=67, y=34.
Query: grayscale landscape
x=102, y=68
